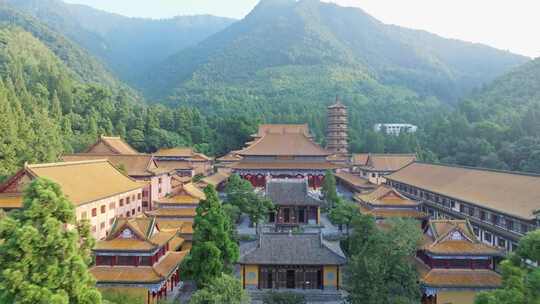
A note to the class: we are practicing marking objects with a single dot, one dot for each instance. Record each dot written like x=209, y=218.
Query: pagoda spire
x=337, y=128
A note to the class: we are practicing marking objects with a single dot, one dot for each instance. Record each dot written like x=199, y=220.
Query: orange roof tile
x=454, y=278
x=390, y=213
x=282, y=128
x=216, y=178
x=360, y=159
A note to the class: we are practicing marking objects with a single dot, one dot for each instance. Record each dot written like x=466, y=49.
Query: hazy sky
x=506, y=24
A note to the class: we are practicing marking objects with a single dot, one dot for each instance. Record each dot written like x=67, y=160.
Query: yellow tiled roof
x=354, y=180
x=389, y=162
x=86, y=181
x=389, y=213
x=385, y=195
x=506, y=192
x=116, y=144
x=11, y=201
x=282, y=129
x=135, y=164
x=284, y=144
x=441, y=242
x=216, y=178
x=139, y=274
x=173, y=212
x=454, y=278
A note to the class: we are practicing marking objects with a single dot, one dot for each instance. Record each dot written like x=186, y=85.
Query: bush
x=284, y=298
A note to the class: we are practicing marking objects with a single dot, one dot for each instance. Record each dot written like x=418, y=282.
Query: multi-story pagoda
x=283, y=151
x=453, y=264
x=295, y=205
x=139, y=258
x=337, y=128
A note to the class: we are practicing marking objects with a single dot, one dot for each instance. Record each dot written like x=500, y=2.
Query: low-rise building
x=138, y=257
x=395, y=128
x=501, y=206
x=291, y=261
x=182, y=158
x=294, y=204
x=385, y=202
x=141, y=167
x=454, y=265
x=180, y=206
x=99, y=191
x=111, y=145
x=375, y=167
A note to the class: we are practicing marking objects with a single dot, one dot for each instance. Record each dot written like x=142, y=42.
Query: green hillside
x=282, y=36
x=127, y=45
x=498, y=126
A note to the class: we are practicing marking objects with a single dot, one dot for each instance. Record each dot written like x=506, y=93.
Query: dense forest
x=284, y=63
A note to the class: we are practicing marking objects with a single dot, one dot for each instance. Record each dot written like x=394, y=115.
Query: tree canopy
x=521, y=279
x=214, y=250
x=222, y=289
x=379, y=269
x=40, y=260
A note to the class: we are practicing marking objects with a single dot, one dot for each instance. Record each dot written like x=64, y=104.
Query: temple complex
x=454, y=265
x=283, y=151
x=139, y=258
x=291, y=261
x=116, y=195
x=337, y=129
x=385, y=202
x=295, y=205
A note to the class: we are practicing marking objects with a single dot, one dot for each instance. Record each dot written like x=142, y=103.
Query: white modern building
x=394, y=128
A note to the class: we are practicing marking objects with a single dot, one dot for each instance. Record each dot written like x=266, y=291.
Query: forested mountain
x=281, y=41
x=128, y=46
x=498, y=126
x=85, y=67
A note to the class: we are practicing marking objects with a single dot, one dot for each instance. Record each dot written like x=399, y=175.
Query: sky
x=511, y=25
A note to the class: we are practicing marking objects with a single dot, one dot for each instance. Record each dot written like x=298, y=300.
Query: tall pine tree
x=40, y=260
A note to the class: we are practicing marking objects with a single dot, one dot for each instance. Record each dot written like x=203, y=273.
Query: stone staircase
x=314, y=296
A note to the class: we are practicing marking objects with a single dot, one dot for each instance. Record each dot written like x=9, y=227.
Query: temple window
x=103, y=209
x=94, y=212
x=487, y=236
x=502, y=242
x=84, y=215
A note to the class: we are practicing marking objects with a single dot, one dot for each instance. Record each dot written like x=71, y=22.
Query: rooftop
x=141, y=274
x=282, y=129
x=144, y=235
x=383, y=162
x=111, y=145
x=290, y=192
x=512, y=193
x=278, y=165
x=455, y=237
x=453, y=278
x=291, y=249
x=134, y=164
x=384, y=195
x=284, y=144
x=76, y=179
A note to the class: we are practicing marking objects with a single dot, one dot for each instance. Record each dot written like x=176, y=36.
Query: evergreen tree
x=40, y=260
x=329, y=189
x=214, y=250
x=521, y=280
x=343, y=213
x=379, y=269
x=223, y=289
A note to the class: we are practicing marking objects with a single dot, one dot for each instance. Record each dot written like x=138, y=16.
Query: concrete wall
x=456, y=297
x=100, y=224
x=250, y=276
